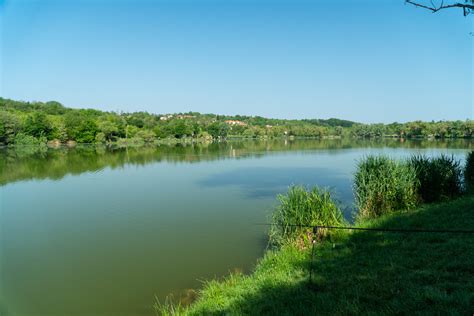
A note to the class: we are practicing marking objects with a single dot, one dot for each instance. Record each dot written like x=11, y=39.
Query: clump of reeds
x=439, y=177
x=300, y=208
x=169, y=307
x=469, y=173
x=383, y=185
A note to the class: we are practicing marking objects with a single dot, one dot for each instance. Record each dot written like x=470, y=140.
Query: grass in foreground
x=360, y=272
x=383, y=185
x=301, y=206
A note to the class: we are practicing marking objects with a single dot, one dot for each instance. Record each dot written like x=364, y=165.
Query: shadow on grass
x=377, y=273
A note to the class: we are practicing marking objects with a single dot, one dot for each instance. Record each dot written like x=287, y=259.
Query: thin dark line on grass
x=388, y=230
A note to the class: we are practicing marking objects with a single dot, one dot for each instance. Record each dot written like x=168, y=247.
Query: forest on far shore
x=30, y=123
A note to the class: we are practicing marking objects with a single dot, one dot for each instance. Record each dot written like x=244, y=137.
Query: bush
x=383, y=185
x=146, y=135
x=100, y=138
x=469, y=173
x=27, y=140
x=302, y=207
x=439, y=178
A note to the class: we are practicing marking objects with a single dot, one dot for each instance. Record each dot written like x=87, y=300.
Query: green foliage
x=218, y=129
x=80, y=126
x=59, y=131
x=9, y=127
x=302, y=207
x=169, y=307
x=54, y=121
x=38, y=125
x=86, y=132
x=27, y=140
x=204, y=135
x=469, y=173
x=439, y=177
x=100, y=138
x=131, y=131
x=109, y=129
x=179, y=129
x=383, y=185
x=53, y=108
x=249, y=133
x=146, y=135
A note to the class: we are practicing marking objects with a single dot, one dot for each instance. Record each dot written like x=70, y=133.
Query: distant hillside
x=38, y=122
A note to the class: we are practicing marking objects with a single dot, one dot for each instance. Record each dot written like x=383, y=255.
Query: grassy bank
x=363, y=271
x=360, y=272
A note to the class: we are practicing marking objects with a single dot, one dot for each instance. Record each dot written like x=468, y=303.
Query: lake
x=102, y=231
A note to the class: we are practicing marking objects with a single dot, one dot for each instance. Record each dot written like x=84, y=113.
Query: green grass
x=383, y=185
x=440, y=178
x=301, y=206
x=360, y=272
x=469, y=173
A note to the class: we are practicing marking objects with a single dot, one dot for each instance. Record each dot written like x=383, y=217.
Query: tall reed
x=169, y=307
x=469, y=173
x=301, y=206
x=383, y=185
x=439, y=177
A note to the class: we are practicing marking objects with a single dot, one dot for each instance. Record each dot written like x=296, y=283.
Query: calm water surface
x=95, y=231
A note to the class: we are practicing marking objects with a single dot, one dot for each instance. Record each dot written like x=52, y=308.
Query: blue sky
x=365, y=60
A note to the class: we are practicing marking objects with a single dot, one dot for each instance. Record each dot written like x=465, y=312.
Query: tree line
x=30, y=123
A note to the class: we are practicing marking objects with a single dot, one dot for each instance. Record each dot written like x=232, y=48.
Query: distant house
x=182, y=116
x=166, y=117
x=234, y=122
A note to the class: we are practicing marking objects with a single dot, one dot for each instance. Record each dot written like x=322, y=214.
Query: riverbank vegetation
x=302, y=207
x=439, y=178
x=360, y=272
x=469, y=173
x=383, y=184
x=27, y=123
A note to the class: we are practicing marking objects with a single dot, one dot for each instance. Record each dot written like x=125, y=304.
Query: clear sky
x=363, y=60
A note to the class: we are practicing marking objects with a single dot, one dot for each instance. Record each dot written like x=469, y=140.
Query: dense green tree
x=100, y=138
x=178, y=128
x=38, y=125
x=218, y=129
x=87, y=132
x=147, y=136
x=135, y=120
x=59, y=131
x=109, y=129
x=53, y=108
x=9, y=127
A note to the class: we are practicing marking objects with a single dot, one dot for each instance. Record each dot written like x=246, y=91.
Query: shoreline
x=174, y=141
x=349, y=267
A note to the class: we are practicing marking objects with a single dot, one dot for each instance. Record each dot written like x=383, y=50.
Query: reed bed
x=301, y=206
x=440, y=178
x=469, y=173
x=383, y=185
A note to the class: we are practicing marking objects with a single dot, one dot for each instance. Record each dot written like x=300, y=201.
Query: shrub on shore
x=301, y=206
x=439, y=177
x=469, y=173
x=383, y=185
x=27, y=140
